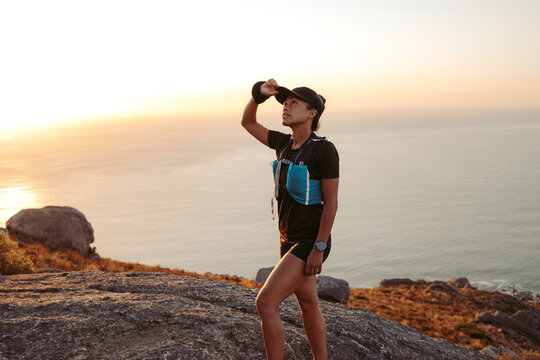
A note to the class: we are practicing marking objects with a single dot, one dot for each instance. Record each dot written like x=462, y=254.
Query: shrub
x=12, y=259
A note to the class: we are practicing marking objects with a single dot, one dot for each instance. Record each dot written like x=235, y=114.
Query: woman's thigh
x=284, y=280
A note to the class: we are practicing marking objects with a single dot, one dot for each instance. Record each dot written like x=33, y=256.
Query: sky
x=64, y=61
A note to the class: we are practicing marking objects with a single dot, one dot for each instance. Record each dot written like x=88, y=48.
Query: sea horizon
x=420, y=198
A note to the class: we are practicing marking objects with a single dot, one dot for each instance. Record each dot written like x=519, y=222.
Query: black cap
x=304, y=93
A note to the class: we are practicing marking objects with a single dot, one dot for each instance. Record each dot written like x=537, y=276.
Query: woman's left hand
x=314, y=262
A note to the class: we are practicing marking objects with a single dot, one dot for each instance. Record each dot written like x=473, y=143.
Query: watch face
x=321, y=245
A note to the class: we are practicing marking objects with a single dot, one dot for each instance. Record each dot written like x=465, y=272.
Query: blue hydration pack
x=304, y=190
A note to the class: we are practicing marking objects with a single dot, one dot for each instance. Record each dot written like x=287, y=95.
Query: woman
x=306, y=176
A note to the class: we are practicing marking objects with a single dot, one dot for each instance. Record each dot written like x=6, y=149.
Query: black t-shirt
x=298, y=222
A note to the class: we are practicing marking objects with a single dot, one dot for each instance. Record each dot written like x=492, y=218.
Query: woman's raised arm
x=249, y=117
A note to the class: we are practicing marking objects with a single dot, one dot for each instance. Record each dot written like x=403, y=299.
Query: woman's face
x=295, y=112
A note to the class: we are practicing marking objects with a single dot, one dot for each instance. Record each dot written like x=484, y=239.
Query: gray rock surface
x=56, y=227
x=98, y=315
x=491, y=351
x=496, y=352
x=396, y=282
x=333, y=289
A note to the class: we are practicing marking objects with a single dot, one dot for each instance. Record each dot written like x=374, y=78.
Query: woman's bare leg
x=286, y=277
x=314, y=323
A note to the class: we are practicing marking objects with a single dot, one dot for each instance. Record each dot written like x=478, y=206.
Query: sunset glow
x=67, y=60
x=14, y=199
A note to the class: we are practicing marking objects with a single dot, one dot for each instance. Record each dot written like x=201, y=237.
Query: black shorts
x=302, y=249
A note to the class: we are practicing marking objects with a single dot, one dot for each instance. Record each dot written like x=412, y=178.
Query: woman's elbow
x=331, y=204
x=246, y=121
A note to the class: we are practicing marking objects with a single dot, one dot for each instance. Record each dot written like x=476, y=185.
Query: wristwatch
x=320, y=245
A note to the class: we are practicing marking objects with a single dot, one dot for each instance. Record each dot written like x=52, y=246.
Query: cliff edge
x=97, y=315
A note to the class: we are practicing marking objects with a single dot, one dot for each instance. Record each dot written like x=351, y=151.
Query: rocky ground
x=97, y=315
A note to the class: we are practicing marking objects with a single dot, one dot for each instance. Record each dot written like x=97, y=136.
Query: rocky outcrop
x=441, y=287
x=528, y=296
x=333, y=289
x=56, y=227
x=524, y=321
x=396, y=282
x=459, y=283
x=448, y=286
x=97, y=315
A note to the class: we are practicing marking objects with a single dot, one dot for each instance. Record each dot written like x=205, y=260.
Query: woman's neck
x=300, y=136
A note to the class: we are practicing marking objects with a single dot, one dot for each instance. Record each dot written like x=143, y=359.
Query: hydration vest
x=304, y=190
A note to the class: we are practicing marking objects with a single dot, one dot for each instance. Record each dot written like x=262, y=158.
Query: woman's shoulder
x=276, y=139
x=324, y=160
x=323, y=145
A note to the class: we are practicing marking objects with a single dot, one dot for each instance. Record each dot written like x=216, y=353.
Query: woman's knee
x=307, y=303
x=264, y=304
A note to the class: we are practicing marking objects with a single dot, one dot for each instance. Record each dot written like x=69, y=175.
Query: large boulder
x=333, y=289
x=56, y=227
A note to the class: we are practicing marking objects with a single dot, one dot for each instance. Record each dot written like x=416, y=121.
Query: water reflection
x=13, y=199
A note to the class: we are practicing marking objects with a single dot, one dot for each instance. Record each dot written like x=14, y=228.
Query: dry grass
x=12, y=259
x=525, y=355
x=447, y=315
x=530, y=355
x=69, y=260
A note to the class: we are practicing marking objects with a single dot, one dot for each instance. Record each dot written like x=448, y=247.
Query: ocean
x=421, y=196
